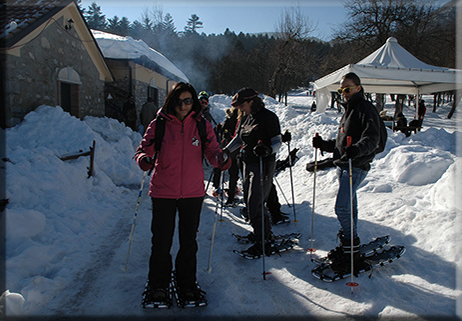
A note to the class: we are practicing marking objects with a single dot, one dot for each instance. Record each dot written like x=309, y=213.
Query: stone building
x=51, y=58
x=138, y=70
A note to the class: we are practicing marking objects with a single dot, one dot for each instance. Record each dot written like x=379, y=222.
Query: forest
x=290, y=57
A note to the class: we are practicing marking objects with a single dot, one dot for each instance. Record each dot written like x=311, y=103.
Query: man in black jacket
x=361, y=122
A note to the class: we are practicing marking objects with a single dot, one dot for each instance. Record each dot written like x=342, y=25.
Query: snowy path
x=409, y=194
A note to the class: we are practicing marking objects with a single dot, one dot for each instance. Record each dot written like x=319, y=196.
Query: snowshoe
x=250, y=238
x=281, y=219
x=232, y=203
x=256, y=250
x=236, y=192
x=244, y=214
x=325, y=272
x=366, y=250
x=189, y=298
x=157, y=298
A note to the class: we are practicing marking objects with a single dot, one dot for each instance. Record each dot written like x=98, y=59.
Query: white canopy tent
x=391, y=69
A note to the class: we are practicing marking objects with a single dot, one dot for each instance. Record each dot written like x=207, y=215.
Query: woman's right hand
x=146, y=163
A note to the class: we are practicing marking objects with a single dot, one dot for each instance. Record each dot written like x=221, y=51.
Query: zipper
x=182, y=159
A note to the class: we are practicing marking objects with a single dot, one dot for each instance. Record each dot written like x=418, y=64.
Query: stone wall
x=31, y=79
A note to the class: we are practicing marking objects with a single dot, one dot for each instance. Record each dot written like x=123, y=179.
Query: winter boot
x=280, y=218
x=341, y=261
x=244, y=214
x=191, y=297
x=256, y=250
x=156, y=297
x=337, y=253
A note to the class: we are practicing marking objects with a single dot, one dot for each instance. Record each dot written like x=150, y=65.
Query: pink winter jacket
x=178, y=169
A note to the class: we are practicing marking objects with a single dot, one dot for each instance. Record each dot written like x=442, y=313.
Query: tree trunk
x=457, y=98
x=379, y=101
x=399, y=104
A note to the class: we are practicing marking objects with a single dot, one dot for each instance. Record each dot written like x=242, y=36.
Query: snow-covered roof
x=20, y=17
x=120, y=47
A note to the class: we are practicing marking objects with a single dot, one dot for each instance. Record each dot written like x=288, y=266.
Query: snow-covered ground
x=67, y=235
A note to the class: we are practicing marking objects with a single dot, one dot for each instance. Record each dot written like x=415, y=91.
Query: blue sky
x=249, y=16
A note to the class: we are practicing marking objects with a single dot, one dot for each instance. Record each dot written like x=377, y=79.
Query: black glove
x=262, y=150
x=286, y=137
x=351, y=152
x=320, y=143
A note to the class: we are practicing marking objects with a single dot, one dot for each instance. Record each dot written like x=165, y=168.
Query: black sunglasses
x=186, y=101
x=345, y=90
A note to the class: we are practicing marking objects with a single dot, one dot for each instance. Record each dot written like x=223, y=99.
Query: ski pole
x=292, y=182
x=134, y=221
x=311, y=249
x=282, y=192
x=351, y=284
x=209, y=268
x=221, y=194
x=208, y=183
x=262, y=215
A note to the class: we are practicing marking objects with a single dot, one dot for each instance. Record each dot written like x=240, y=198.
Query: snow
x=67, y=235
x=120, y=47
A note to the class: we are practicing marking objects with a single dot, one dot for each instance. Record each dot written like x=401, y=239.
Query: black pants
x=233, y=172
x=163, y=229
x=272, y=203
x=253, y=194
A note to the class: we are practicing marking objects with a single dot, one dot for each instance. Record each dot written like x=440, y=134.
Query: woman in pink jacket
x=177, y=183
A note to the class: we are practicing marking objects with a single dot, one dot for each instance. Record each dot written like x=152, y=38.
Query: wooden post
x=92, y=159
x=90, y=153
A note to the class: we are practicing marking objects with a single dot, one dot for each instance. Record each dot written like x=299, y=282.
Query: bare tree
x=372, y=22
x=292, y=30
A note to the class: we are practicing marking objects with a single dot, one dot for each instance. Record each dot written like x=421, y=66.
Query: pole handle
x=349, y=139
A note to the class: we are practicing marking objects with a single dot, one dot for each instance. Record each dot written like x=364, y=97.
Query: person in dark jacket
x=360, y=121
x=227, y=131
x=129, y=112
x=204, y=100
x=258, y=136
x=148, y=113
x=177, y=184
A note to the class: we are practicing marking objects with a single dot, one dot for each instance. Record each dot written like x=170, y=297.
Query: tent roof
x=391, y=69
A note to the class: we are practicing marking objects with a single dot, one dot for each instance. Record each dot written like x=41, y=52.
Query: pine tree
x=192, y=24
x=124, y=26
x=168, y=24
x=113, y=25
x=95, y=18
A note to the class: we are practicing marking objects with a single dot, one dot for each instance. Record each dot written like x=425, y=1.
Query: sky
x=251, y=16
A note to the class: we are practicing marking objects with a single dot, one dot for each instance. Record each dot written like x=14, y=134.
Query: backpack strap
x=160, y=131
x=202, y=128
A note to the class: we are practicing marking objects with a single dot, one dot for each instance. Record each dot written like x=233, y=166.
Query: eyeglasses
x=345, y=90
x=186, y=101
x=204, y=101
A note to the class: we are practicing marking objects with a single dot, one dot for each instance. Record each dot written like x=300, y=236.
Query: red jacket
x=178, y=169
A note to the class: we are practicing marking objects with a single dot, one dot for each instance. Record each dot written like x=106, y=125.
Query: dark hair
x=257, y=104
x=354, y=77
x=174, y=95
